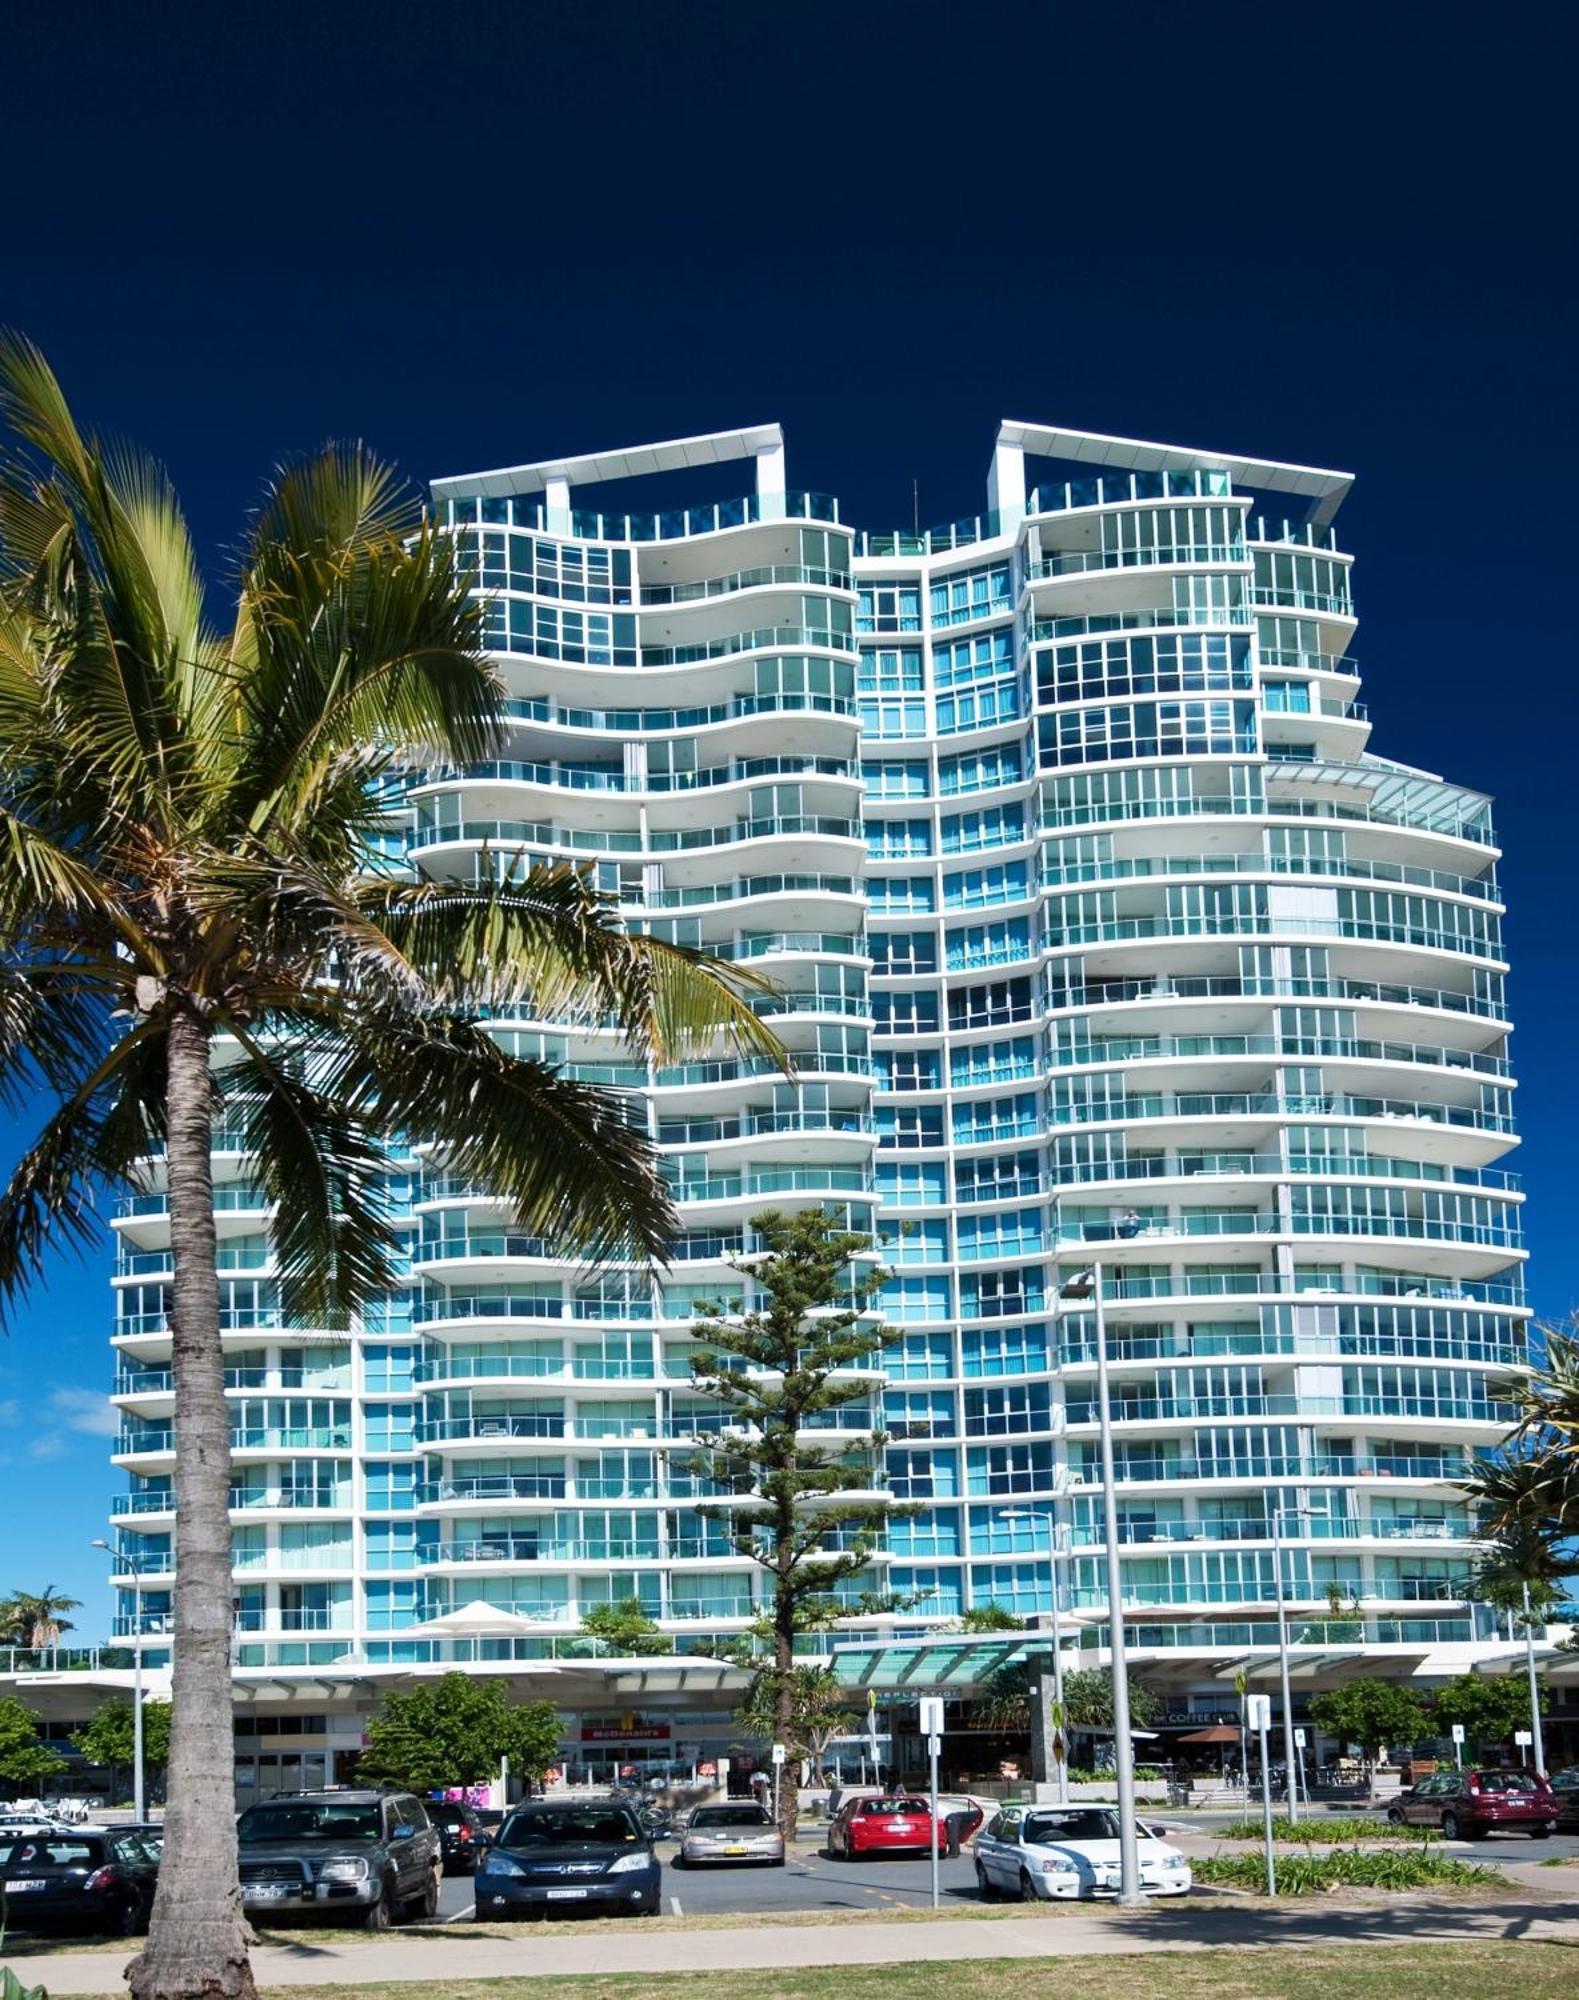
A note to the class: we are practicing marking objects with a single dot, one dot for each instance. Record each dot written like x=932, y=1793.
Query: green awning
x=940, y=1665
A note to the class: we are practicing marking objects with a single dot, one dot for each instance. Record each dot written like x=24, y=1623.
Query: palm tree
x=36, y=1622
x=195, y=923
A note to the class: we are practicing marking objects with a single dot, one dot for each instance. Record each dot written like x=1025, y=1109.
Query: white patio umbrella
x=477, y=1620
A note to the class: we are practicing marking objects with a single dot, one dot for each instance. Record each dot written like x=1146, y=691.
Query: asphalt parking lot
x=810, y=1881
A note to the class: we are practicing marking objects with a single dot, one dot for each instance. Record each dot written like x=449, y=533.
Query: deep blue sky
x=475, y=236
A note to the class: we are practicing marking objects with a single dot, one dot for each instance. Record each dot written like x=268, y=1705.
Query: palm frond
x=327, y=1171
x=548, y=935
x=564, y=1154
x=93, y=1140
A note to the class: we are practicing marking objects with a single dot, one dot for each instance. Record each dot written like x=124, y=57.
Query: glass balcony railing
x=1143, y=868
x=1242, y=1222
x=761, y=576
x=1270, y=1104
x=765, y=638
x=672, y=524
x=1462, y=823
x=1116, y=930
x=1229, y=986
x=1298, y=1048
x=1261, y=1634
x=1109, y=489
x=1258, y=1528
x=652, y=721
x=1171, y=1409
x=596, y=778
x=1080, y=562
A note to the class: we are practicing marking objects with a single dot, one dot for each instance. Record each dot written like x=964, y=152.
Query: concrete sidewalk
x=558, y=1953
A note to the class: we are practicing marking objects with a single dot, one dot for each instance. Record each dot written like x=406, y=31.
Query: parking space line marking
x=674, y=1905
x=460, y=1916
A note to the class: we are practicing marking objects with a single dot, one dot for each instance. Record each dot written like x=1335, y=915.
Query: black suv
x=461, y=1832
x=371, y=1854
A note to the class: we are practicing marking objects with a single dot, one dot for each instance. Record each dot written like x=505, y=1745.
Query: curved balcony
x=1243, y=925
x=1128, y=990
x=763, y=639
x=762, y=575
x=1296, y=1048
x=1144, y=868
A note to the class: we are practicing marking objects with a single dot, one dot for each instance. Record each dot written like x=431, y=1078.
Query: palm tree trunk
x=197, y=1944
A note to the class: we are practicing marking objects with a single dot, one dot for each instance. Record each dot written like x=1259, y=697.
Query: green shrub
x=1316, y=1832
x=1345, y=1868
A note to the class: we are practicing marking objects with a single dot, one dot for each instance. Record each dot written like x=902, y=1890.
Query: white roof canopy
x=627, y=462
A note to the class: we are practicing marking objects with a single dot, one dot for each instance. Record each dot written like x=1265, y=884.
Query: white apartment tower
x=1101, y=937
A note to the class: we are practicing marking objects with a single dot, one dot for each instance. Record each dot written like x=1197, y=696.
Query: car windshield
x=443, y=1812
x=299, y=1819
x=705, y=1816
x=1055, y=1827
x=60, y=1853
x=566, y=1826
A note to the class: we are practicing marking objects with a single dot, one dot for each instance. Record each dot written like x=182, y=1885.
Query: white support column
x=771, y=481
x=556, y=504
x=1006, y=486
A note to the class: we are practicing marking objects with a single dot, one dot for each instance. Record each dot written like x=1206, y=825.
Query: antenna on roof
x=915, y=506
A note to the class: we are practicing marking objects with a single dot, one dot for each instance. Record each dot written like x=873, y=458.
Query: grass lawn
x=1397, y=1972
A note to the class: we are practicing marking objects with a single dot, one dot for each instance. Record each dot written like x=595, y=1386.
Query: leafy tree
x=35, y=1622
x=110, y=1738
x=1088, y=1698
x=990, y=1617
x=626, y=1629
x=819, y=1711
x=195, y=923
x=1370, y=1713
x=24, y=1760
x=1490, y=1706
x=1004, y=1701
x=806, y=1507
x=453, y=1731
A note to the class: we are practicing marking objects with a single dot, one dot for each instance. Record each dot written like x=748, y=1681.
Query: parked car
x=884, y=1826
x=461, y=1834
x=1466, y=1805
x=70, y=1880
x=730, y=1833
x=1565, y=1789
x=1058, y=1852
x=369, y=1854
x=552, y=1857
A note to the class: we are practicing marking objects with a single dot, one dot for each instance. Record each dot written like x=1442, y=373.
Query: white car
x=1054, y=1852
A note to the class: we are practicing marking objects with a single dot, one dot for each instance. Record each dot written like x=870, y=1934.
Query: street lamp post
x=1061, y=1739
x=133, y=1565
x=1282, y=1658
x=1089, y=1284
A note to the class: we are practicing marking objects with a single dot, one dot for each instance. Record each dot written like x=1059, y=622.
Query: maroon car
x=1468, y=1804
x=884, y=1826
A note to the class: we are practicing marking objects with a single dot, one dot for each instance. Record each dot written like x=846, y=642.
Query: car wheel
x=1450, y=1827
x=1028, y=1888
x=985, y=1887
x=1540, y=1833
x=425, y=1906
x=1394, y=1816
x=127, y=1921
x=380, y=1915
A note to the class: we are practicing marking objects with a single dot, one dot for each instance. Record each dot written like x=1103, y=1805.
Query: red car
x=884, y=1826
x=1468, y=1804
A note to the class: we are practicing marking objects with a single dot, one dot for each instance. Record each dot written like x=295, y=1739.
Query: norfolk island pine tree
x=195, y=923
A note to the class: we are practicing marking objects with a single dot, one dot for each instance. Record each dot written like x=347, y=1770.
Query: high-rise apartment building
x=1102, y=941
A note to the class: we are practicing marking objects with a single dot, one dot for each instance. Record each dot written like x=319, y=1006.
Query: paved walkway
x=540, y=1954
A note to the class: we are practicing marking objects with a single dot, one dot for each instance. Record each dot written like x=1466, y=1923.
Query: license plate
x=566, y=1895
x=16, y=1888
x=266, y=1892
x=737, y=1850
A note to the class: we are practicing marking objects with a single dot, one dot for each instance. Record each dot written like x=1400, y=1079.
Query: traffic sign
x=931, y=1706
x=778, y=1753
x=1458, y=1732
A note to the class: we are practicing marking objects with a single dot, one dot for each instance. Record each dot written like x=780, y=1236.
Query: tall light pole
x=1292, y=1781
x=1536, y=1744
x=1089, y=1285
x=133, y=1565
x=1061, y=1739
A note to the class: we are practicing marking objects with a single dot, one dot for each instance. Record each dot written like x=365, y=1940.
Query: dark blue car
x=557, y=1860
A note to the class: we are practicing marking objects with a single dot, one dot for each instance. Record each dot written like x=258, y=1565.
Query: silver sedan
x=727, y=1833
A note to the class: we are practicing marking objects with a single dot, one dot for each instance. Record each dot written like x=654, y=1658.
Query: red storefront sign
x=644, y=1732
